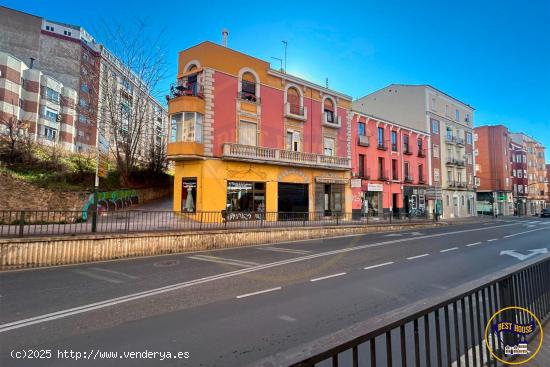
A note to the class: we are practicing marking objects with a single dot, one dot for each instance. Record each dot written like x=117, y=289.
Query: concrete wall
x=405, y=105
x=40, y=252
x=20, y=34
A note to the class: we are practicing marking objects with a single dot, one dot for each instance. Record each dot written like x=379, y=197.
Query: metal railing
x=23, y=223
x=446, y=330
x=248, y=97
x=184, y=88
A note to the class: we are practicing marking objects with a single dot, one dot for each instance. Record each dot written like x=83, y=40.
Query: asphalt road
x=233, y=307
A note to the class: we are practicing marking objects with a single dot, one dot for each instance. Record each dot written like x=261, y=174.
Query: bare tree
x=130, y=73
x=13, y=131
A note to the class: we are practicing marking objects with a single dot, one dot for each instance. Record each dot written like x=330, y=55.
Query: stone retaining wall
x=51, y=251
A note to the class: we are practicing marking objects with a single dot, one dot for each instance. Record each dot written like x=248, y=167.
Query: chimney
x=225, y=33
x=32, y=63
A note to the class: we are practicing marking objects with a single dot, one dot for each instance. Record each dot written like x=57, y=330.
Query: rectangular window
x=245, y=197
x=186, y=127
x=394, y=141
x=436, y=174
x=449, y=133
x=247, y=133
x=361, y=165
x=381, y=171
x=432, y=104
x=407, y=170
x=420, y=145
x=406, y=144
x=50, y=133
x=420, y=173
x=435, y=127
x=469, y=138
x=381, y=137
x=457, y=115
x=50, y=94
x=328, y=144
x=189, y=194
x=51, y=115
x=361, y=129
x=293, y=140
x=394, y=173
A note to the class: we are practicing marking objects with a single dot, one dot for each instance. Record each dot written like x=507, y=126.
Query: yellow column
x=271, y=196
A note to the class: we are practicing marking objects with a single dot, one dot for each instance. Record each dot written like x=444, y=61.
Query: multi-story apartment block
x=520, y=182
x=536, y=172
x=449, y=123
x=493, y=170
x=249, y=138
x=71, y=56
x=548, y=185
x=42, y=103
x=390, y=167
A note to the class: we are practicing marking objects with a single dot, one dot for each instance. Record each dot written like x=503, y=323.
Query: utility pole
x=286, y=46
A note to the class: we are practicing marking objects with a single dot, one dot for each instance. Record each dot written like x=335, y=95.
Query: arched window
x=293, y=99
x=192, y=67
x=248, y=87
x=328, y=107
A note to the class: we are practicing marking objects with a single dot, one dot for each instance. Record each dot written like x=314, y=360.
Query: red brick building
x=493, y=170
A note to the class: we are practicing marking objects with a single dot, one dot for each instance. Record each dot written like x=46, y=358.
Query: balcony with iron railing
x=232, y=151
x=331, y=119
x=455, y=162
x=381, y=146
x=394, y=147
x=421, y=153
x=408, y=179
x=458, y=140
x=407, y=150
x=184, y=88
x=383, y=175
x=457, y=184
x=364, y=173
x=421, y=179
x=186, y=96
x=363, y=140
x=295, y=111
x=248, y=97
x=449, y=139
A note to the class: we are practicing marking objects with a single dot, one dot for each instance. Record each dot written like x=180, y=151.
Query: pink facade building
x=390, y=167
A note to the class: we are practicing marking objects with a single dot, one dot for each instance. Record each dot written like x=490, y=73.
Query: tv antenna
x=286, y=46
x=278, y=59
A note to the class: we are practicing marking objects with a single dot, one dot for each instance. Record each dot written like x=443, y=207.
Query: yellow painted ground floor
x=215, y=185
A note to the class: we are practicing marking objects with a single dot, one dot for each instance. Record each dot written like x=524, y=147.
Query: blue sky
x=493, y=55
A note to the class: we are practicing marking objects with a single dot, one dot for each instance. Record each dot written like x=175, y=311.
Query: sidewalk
x=542, y=359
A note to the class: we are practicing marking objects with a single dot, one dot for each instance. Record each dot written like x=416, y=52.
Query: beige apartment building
x=537, y=183
x=449, y=123
x=44, y=105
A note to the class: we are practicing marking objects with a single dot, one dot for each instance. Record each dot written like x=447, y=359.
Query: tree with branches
x=13, y=131
x=131, y=71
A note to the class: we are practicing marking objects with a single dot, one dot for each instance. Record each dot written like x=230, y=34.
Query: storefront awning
x=332, y=180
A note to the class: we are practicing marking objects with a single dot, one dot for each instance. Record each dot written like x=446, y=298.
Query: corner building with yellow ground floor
x=246, y=138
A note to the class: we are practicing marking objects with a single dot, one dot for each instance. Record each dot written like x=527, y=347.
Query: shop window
x=245, y=196
x=247, y=133
x=189, y=194
x=186, y=127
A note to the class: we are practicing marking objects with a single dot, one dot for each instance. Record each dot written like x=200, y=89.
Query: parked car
x=545, y=213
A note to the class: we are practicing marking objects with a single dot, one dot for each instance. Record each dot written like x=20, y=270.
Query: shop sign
x=375, y=187
x=355, y=182
x=239, y=186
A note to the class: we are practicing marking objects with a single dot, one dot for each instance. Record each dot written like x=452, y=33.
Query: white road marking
x=417, y=256
x=280, y=249
x=521, y=256
x=259, y=292
x=224, y=260
x=98, y=276
x=379, y=265
x=492, y=239
x=473, y=244
x=287, y=318
x=518, y=233
x=449, y=249
x=176, y=286
x=116, y=273
x=327, y=277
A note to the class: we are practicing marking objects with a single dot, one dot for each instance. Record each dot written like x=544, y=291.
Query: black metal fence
x=43, y=223
x=449, y=332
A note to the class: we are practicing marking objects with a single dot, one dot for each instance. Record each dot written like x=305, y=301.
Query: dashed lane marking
x=449, y=249
x=378, y=265
x=417, y=256
x=259, y=292
x=327, y=277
